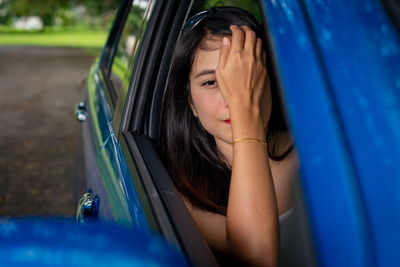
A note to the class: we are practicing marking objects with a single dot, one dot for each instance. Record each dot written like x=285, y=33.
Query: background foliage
x=89, y=13
x=66, y=23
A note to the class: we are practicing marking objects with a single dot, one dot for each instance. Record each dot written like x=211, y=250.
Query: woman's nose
x=225, y=103
x=223, y=100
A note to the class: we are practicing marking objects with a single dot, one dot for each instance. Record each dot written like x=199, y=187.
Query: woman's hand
x=243, y=80
x=252, y=226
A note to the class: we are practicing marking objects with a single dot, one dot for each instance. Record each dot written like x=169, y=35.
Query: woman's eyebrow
x=204, y=72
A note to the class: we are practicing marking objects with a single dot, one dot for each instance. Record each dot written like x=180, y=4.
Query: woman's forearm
x=252, y=216
x=252, y=225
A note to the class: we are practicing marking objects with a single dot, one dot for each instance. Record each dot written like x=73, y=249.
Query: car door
x=107, y=174
x=117, y=152
x=329, y=72
x=140, y=130
x=337, y=64
x=135, y=123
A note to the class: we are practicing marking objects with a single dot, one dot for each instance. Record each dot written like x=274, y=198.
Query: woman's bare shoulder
x=211, y=225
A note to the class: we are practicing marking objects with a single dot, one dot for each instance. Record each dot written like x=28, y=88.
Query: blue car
x=337, y=65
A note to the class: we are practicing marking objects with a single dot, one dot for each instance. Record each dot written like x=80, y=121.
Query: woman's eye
x=210, y=84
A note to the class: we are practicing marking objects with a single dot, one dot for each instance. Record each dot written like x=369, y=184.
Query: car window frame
x=146, y=140
x=167, y=214
x=137, y=69
x=393, y=12
x=108, y=56
x=109, y=51
x=139, y=136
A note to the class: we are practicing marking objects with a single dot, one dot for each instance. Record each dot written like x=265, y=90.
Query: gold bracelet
x=249, y=139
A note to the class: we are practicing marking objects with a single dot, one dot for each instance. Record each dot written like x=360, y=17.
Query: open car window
x=166, y=212
x=141, y=123
x=332, y=140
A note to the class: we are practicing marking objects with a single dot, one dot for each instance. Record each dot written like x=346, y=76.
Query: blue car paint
x=110, y=164
x=61, y=242
x=371, y=75
x=339, y=65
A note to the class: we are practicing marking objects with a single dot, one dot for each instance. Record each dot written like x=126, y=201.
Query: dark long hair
x=194, y=162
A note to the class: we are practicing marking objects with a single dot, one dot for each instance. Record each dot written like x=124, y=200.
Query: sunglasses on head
x=192, y=22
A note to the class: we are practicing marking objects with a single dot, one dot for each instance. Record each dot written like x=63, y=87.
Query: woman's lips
x=227, y=121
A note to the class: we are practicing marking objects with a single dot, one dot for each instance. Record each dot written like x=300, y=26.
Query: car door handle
x=81, y=112
x=88, y=208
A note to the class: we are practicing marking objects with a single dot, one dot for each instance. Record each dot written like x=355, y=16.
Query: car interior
x=135, y=66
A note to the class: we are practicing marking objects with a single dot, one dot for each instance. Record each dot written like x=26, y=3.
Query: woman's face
x=207, y=103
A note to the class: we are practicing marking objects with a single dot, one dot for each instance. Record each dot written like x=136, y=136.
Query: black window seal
x=393, y=11
x=108, y=54
x=145, y=67
x=154, y=106
x=189, y=238
x=172, y=212
x=148, y=196
x=138, y=66
x=140, y=70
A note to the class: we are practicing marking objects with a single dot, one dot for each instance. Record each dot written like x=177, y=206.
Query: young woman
x=227, y=145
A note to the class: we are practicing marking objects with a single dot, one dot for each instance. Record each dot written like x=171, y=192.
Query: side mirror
x=81, y=112
x=88, y=208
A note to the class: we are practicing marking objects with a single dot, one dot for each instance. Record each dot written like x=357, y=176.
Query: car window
x=129, y=46
x=146, y=87
x=253, y=7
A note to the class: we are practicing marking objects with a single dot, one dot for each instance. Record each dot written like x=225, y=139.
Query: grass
x=90, y=41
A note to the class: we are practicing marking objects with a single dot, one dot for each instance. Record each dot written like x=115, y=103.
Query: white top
x=286, y=216
x=287, y=225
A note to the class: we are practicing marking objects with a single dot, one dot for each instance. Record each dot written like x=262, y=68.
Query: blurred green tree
x=99, y=7
x=5, y=17
x=45, y=9
x=49, y=10
x=103, y=9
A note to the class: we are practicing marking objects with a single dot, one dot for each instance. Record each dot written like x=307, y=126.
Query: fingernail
x=225, y=41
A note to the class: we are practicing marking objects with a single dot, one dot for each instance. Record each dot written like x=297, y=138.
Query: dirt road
x=41, y=164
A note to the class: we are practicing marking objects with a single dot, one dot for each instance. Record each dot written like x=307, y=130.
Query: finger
x=264, y=57
x=237, y=38
x=259, y=49
x=250, y=40
x=223, y=56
